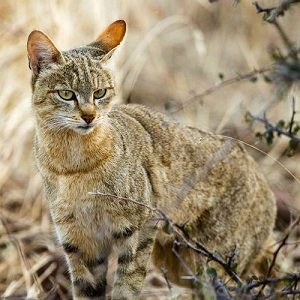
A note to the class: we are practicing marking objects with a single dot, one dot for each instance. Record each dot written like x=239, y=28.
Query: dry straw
x=174, y=50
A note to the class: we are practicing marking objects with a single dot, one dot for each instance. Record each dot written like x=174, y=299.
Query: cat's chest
x=75, y=200
x=81, y=216
x=76, y=194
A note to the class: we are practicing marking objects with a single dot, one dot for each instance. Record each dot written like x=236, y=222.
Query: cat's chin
x=83, y=130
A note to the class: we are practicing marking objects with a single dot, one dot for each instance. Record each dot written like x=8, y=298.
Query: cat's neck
x=67, y=152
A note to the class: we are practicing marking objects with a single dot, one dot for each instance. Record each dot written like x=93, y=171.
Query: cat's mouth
x=85, y=129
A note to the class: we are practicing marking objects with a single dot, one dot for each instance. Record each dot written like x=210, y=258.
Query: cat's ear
x=41, y=52
x=110, y=38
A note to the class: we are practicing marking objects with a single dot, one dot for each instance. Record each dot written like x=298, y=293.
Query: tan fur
x=129, y=151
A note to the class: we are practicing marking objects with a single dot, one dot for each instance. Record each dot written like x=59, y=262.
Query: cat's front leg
x=134, y=255
x=88, y=276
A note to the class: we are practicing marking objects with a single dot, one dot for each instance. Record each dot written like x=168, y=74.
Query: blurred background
x=174, y=51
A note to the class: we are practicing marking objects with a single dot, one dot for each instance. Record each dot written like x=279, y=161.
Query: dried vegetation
x=202, y=63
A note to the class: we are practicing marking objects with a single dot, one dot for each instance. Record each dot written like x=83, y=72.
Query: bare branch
x=293, y=116
x=272, y=13
x=164, y=272
x=273, y=128
x=188, y=242
x=123, y=198
x=275, y=254
x=222, y=84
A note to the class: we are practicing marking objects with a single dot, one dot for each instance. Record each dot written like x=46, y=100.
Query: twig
x=267, y=281
x=275, y=254
x=123, y=198
x=201, y=249
x=192, y=244
x=284, y=37
x=220, y=289
x=164, y=272
x=212, y=256
x=293, y=116
x=273, y=128
x=183, y=263
x=220, y=85
x=283, y=242
x=272, y=13
x=188, y=242
x=280, y=294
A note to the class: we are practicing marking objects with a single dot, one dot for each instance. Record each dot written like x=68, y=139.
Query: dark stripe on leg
x=139, y=270
x=96, y=262
x=87, y=289
x=69, y=248
x=124, y=233
x=144, y=244
x=125, y=258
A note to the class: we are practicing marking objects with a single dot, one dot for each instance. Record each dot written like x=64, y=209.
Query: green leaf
x=269, y=136
x=199, y=270
x=293, y=145
x=167, y=228
x=188, y=228
x=296, y=129
x=258, y=136
x=280, y=124
x=212, y=272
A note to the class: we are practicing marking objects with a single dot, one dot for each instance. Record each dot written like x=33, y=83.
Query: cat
x=98, y=159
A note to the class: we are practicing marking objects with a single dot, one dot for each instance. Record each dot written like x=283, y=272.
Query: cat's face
x=72, y=90
x=73, y=95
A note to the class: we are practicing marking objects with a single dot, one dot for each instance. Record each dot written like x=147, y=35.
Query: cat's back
x=171, y=140
x=188, y=163
x=162, y=131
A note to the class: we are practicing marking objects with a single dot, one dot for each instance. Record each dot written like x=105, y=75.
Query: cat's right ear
x=41, y=52
x=110, y=38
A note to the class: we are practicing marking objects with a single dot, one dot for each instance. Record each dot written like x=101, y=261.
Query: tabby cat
x=128, y=153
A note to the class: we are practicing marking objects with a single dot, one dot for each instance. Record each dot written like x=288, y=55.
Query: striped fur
x=131, y=152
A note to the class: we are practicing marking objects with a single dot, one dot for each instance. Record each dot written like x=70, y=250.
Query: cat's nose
x=88, y=118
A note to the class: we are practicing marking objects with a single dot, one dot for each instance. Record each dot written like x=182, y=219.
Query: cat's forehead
x=84, y=61
x=86, y=52
x=82, y=71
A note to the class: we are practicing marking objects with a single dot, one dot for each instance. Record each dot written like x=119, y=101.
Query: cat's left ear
x=110, y=38
x=41, y=52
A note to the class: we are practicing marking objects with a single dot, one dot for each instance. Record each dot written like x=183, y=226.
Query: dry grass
x=174, y=49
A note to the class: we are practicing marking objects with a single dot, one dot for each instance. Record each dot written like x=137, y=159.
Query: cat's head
x=72, y=90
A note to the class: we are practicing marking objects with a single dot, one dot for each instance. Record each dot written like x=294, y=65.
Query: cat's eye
x=100, y=93
x=66, y=95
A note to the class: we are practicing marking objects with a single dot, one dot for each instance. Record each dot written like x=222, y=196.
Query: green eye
x=100, y=93
x=66, y=95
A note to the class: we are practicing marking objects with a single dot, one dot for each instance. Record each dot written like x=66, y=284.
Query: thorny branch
x=235, y=79
x=242, y=287
x=272, y=13
x=275, y=254
x=270, y=16
x=164, y=272
x=200, y=248
x=292, y=122
x=272, y=281
x=273, y=128
x=180, y=232
x=289, y=130
x=281, y=245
